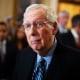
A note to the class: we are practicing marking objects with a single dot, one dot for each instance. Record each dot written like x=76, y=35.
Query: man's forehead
x=34, y=14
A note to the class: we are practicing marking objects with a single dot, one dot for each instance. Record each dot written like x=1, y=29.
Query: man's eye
x=28, y=25
x=40, y=24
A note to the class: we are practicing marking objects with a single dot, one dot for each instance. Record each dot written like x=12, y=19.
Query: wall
x=51, y=3
x=6, y=8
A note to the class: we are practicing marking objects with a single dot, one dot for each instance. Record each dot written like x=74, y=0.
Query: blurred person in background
x=63, y=17
x=72, y=38
x=20, y=38
x=9, y=22
x=7, y=53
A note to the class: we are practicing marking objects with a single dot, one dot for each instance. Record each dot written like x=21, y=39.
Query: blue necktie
x=39, y=72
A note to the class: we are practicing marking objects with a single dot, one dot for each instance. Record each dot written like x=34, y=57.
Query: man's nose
x=33, y=30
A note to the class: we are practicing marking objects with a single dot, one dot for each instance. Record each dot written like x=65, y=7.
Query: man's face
x=63, y=20
x=3, y=32
x=40, y=37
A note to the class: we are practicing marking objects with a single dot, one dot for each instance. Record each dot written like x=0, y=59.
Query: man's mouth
x=35, y=41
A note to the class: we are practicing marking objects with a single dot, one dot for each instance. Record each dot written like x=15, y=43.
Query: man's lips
x=35, y=41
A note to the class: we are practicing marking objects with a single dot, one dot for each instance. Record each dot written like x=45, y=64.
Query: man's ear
x=55, y=29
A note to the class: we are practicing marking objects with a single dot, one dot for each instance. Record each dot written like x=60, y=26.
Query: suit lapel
x=8, y=50
x=71, y=39
x=29, y=64
x=55, y=67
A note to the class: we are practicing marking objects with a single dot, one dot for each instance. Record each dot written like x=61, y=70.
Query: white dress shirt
x=75, y=35
x=62, y=29
x=2, y=49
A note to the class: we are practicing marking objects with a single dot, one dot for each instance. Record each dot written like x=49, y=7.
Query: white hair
x=51, y=15
x=61, y=13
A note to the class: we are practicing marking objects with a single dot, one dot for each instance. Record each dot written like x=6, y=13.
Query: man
x=9, y=23
x=72, y=38
x=7, y=53
x=46, y=59
x=63, y=18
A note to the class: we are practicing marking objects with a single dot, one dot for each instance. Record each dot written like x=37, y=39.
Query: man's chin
x=36, y=48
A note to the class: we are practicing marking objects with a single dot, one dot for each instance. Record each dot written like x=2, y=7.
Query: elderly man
x=7, y=53
x=46, y=59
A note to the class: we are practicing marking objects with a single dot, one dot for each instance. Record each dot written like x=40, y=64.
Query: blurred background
x=14, y=9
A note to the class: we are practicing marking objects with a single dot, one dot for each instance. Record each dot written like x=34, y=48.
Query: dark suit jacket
x=64, y=65
x=7, y=67
x=68, y=40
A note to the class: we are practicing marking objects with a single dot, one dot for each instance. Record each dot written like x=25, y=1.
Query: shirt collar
x=48, y=57
x=62, y=29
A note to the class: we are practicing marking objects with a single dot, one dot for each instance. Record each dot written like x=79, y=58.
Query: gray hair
x=60, y=14
x=51, y=15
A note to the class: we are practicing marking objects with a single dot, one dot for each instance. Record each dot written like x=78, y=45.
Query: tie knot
x=42, y=62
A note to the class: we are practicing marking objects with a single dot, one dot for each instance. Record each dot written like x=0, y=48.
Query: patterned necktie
x=39, y=72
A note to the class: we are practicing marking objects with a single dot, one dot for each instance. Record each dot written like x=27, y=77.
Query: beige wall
x=6, y=8
x=51, y=3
